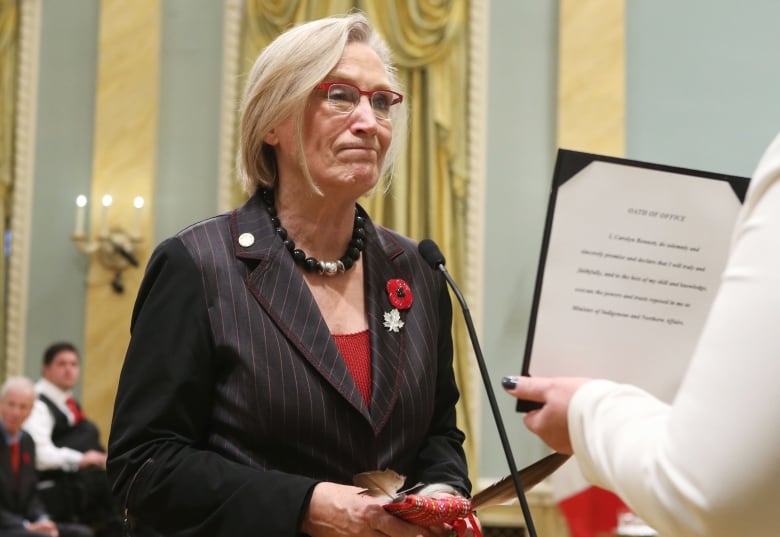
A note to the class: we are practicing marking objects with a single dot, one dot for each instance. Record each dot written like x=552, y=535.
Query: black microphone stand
x=493, y=405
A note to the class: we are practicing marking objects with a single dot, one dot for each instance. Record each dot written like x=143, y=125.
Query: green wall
x=62, y=170
x=703, y=81
x=188, y=145
x=187, y=151
x=521, y=119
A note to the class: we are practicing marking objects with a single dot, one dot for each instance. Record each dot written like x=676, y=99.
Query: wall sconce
x=114, y=246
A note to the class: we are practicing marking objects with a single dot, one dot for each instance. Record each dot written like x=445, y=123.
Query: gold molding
x=21, y=211
x=475, y=216
x=231, y=44
x=124, y=165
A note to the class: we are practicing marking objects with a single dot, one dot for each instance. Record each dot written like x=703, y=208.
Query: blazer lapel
x=8, y=492
x=281, y=291
x=384, y=260
x=27, y=473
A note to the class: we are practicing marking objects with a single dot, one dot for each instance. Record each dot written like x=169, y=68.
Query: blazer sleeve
x=10, y=520
x=161, y=469
x=441, y=458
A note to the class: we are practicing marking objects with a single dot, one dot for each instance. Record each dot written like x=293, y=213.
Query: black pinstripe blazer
x=19, y=499
x=234, y=399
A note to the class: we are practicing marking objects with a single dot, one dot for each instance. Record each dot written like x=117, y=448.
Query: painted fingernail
x=509, y=382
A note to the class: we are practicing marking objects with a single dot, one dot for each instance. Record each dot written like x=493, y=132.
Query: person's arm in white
x=40, y=425
x=709, y=465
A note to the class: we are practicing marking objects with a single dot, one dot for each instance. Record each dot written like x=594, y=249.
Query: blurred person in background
x=22, y=513
x=71, y=460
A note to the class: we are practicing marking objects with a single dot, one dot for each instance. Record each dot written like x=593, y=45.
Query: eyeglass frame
x=326, y=86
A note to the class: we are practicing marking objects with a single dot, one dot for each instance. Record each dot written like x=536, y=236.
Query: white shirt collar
x=51, y=391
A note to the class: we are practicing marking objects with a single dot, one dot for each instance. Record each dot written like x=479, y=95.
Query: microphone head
x=431, y=253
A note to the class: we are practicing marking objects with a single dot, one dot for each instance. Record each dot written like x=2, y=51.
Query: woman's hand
x=450, y=530
x=550, y=422
x=45, y=527
x=340, y=511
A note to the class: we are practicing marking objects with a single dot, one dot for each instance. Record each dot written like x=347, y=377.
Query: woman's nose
x=364, y=112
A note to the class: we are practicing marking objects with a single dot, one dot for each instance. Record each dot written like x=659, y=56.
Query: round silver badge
x=246, y=240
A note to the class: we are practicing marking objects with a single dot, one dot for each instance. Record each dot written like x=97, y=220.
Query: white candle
x=138, y=203
x=107, y=201
x=81, y=202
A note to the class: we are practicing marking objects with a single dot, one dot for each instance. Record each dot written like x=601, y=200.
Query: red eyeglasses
x=344, y=97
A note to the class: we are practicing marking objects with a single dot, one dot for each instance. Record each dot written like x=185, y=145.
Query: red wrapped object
x=455, y=511
x=427, y=511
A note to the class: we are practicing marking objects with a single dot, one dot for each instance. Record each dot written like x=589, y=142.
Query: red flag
x=588, y=510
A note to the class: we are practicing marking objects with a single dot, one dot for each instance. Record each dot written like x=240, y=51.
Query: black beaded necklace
x=329, y=268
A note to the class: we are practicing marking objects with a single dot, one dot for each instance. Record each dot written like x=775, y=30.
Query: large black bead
x=358, y=243
x=268, y=199
x=275, y=221
x=290, y=245
x=299, y=255
x=353, y=252
x=282, y=233
x=359, y=233
x=311, y=264
x=347, y=262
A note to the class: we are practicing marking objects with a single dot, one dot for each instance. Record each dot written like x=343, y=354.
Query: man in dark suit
x=22, y=513
x=71, y=459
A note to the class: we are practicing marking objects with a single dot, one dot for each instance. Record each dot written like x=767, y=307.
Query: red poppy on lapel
x=25, y=458
x=399, y=293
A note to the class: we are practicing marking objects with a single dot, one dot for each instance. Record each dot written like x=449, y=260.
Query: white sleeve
x=40, y=425
x=709, y=464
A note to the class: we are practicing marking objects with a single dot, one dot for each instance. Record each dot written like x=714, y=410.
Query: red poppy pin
x=399, y=293
x=25, y=458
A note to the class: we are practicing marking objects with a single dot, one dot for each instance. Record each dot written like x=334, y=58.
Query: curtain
x=9, y=36
x=429, y=41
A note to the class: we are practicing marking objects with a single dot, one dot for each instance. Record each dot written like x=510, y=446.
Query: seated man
x=70, y=458
x=22, y=513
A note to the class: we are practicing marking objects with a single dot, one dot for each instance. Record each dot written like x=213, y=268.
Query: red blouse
x=356, y=350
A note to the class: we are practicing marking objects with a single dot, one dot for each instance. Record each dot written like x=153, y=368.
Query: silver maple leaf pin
x=393, y=320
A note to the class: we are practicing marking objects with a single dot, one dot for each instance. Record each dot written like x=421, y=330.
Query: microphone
x=433, y=256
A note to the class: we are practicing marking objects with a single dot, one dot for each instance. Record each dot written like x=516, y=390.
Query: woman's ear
x=271, y=138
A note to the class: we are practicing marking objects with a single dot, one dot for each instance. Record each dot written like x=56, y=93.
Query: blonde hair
x=281, y=80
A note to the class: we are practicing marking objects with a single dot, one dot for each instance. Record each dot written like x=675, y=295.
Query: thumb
x=528, y=388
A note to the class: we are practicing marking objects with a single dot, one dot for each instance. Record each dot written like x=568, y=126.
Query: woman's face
x=344, y=152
